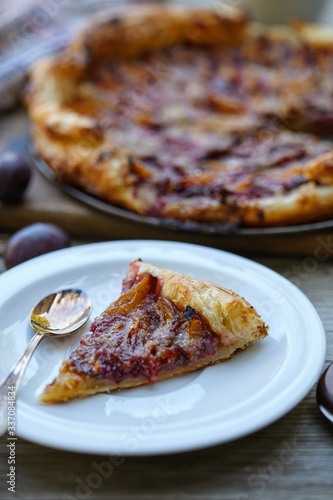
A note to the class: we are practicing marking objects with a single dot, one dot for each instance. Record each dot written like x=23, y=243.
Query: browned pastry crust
x=207, y=141
x=165, y=324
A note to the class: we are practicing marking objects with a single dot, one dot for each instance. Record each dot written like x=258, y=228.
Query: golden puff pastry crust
x=192, y=114
x=228, y=314
x=165, y=324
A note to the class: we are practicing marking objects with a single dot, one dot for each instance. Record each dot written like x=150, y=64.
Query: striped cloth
x=30, y=29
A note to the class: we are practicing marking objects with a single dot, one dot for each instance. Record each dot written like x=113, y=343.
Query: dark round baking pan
x=212, y=228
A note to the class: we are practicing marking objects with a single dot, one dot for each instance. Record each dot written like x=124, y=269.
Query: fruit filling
x=143, y=335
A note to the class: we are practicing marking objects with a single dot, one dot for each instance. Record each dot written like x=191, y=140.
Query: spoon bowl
x=61, y=313
x=58, y=314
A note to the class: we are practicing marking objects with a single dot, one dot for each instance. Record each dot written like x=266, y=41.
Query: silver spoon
x=58, y=314
x=325, y=393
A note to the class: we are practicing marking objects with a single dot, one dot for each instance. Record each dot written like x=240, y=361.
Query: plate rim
x=80, y=447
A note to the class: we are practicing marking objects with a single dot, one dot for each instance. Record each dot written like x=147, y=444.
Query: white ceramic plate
x=207, y=407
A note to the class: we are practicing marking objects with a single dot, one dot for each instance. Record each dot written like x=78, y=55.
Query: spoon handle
x=9, y=385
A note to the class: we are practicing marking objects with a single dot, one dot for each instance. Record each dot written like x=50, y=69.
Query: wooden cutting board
x=43, y=202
